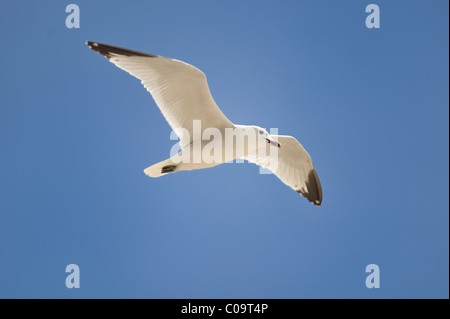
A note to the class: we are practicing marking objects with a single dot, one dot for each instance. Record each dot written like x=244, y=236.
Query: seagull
x=181, y=92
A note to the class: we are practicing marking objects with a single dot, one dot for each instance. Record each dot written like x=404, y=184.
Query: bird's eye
x=261, y=132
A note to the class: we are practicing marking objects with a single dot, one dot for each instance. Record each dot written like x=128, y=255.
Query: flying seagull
x=181, y=92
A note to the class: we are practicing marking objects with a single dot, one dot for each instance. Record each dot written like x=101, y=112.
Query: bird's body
x=207, y=137
x=228, y=144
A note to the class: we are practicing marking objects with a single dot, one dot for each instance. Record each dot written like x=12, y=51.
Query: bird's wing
x=179, y=89
x=295, y=167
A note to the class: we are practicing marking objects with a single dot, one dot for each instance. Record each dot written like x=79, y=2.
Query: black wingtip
x=108, y=50
x=313, y=191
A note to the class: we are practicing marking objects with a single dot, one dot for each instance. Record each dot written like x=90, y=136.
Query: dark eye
x=261, y=132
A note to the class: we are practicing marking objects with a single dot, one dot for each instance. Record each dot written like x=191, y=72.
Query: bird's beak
x=274, y=143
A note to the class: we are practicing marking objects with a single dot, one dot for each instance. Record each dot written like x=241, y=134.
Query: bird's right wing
x=179, y=89
x=295, y=168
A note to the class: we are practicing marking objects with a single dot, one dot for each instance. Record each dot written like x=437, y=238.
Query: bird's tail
x=161, y=168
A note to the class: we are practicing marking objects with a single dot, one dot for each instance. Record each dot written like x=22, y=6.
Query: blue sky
x=370, y=106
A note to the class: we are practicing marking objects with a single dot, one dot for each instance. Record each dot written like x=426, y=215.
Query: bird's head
x=262, y=134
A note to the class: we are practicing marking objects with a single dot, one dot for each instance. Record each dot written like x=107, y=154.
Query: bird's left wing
x=294, y=167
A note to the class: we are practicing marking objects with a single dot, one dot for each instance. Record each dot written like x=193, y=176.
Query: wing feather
x=295, y=168
x=180, y=90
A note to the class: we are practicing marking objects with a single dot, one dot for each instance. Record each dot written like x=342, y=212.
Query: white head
x=262, y=134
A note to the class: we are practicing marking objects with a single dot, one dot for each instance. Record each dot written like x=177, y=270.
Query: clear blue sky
x=370, y=106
